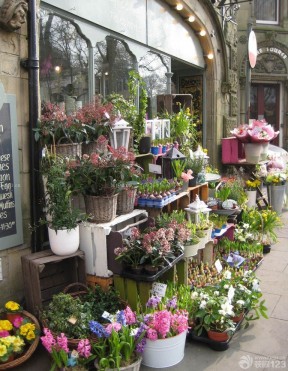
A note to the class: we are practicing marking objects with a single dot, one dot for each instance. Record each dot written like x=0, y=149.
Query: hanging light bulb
x=191, y=18
x=179, y=6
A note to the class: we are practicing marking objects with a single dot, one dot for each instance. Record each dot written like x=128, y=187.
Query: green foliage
x=196, y=164
x=63, y=311
x=58, y=195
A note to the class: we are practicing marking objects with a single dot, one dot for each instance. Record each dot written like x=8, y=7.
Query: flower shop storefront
x=175, y=55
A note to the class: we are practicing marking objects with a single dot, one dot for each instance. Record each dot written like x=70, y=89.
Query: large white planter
x=191, y=250
x=251, y=201
x=164, y=352
x=64, y=242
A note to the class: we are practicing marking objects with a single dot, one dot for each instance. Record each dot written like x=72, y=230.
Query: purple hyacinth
x=153, y=302
x=120, y=317
x=98, y=329
x=172, y=303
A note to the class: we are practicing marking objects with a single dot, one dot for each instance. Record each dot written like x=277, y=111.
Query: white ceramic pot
x=64, y=241
x=164, y=352
x=191, y=250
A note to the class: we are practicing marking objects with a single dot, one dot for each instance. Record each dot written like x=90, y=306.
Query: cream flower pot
x=64, y=241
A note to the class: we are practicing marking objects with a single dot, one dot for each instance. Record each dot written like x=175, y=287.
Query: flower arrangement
x=163, y=319
x=275, y=178
x=262, y=223
x=15, y=335
x=61, y=355
x=251, y=185
x=258, y=131
x=120, y=343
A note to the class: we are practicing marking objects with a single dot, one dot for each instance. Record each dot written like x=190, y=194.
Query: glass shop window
x=112, y=62
x=267, y=11
x=63, y=62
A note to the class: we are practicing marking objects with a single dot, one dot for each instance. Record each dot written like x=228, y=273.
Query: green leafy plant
x=58, y=193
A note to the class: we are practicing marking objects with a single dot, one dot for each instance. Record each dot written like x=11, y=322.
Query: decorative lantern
x=120, y=134
x=171, y=155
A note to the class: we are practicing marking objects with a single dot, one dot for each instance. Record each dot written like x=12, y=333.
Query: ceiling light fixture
x=179, y=6
x=202, y=33
x=209, y=56
x=191, y=18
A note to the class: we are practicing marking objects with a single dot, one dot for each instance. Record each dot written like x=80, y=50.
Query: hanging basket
x=125, y=201
x=102, y=209
x=68, y=149
x=25, y=356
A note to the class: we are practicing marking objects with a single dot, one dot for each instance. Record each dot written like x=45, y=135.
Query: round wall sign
x=252, y=49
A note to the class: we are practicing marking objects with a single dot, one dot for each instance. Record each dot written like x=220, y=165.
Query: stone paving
x=262, y=346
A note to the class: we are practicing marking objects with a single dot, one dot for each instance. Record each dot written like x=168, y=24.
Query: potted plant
x=120, y=343
x=166, y=323
x=97, y=177
x=62, y=356
x=62, y=219
x=251, y=191
x=19, y=336
x=196, y=164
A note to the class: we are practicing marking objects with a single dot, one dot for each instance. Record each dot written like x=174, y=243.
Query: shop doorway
x=265, y=104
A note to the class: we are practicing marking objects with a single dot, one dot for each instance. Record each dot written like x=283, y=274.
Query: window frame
x=270, y=22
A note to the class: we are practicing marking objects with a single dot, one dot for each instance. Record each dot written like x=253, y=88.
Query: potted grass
x=61, y=218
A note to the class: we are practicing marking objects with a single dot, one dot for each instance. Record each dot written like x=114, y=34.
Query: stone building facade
x=268, y=97
x=139, y=29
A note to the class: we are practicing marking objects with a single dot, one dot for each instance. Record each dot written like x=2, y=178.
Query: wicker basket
x=68, y=149
x=102, y=209
x=24, y=357
x=94, y=147
x=125, y=201
x=76, y=289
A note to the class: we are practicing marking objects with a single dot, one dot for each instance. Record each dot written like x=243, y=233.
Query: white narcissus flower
x=216, y=293
x=194, y=295
x=226, y=287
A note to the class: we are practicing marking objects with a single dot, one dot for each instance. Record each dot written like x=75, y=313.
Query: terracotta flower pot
x=238, y=318
x=217, y=336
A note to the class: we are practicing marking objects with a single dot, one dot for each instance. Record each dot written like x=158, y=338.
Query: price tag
x=218, y=266
x=159, y=289
x=155, y=169
x=108, y=316
x=72, y=320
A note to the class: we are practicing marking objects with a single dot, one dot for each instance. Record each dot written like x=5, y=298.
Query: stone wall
x=13, y=48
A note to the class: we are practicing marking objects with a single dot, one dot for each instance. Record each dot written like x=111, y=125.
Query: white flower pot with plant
x=63, y=221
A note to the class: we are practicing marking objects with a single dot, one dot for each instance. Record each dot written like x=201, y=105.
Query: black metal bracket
x=28, y=64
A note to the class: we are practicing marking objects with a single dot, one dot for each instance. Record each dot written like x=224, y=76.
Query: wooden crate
x=232, y=151
x=104, y=282
x=46, y=274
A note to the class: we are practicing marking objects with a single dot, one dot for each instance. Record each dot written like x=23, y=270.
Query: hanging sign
x=252, y=49
x=11, y=233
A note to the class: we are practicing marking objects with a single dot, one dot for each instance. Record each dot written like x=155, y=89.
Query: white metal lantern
x=120, y=134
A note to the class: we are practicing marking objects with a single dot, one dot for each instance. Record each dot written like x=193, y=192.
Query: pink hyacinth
x=162, y=322
x=129, y=316
x=179, y=322
x=47, y=340
x=62, y=342
x=151, y=334
x=84, y=348
x=113, y=326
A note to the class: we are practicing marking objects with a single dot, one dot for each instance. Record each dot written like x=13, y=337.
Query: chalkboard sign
x=11, y=233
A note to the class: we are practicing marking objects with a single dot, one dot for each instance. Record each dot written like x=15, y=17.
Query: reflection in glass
x=112, y=62
x=63, y=62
